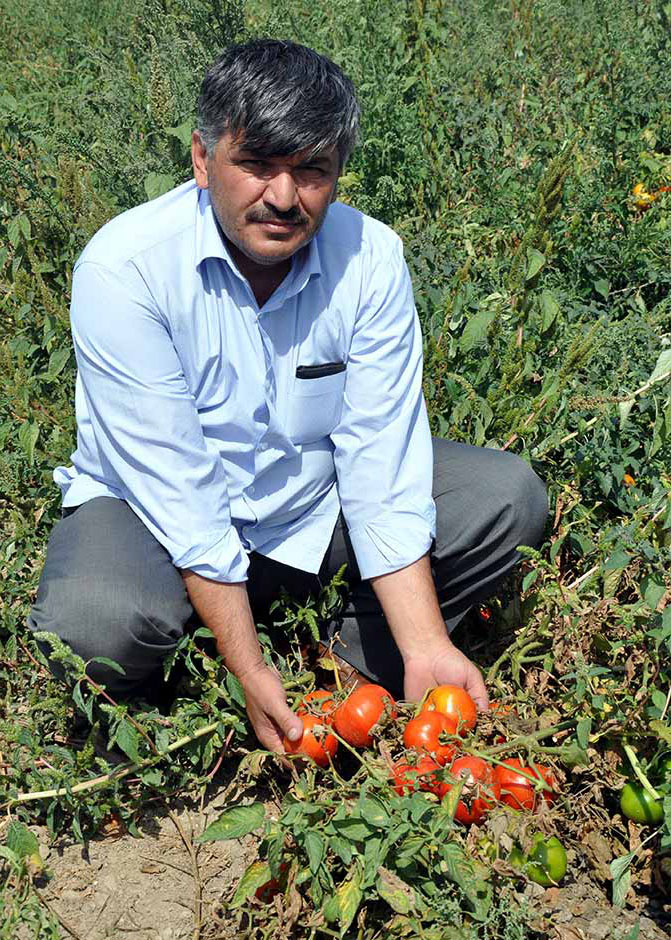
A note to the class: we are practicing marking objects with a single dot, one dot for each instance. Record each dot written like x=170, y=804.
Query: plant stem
x=113, y=775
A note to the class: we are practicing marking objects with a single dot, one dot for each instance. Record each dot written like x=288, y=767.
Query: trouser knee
x=119, y=633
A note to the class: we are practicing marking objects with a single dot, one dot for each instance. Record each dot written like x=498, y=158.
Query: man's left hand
x=443, y=664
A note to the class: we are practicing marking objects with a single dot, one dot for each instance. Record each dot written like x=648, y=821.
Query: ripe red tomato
x=456, y=704
x=517, y=790
x=361, y=711
x=480, y=791
x=420, y=776
x=320, y=702
x=315, y=742
x=423, y=734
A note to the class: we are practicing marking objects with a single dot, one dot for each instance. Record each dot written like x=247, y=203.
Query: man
x=250, y=414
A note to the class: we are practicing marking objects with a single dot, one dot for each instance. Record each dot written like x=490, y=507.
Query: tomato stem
x=636, y=767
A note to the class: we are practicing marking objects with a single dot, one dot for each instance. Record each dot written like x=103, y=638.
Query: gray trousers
x=109, y=589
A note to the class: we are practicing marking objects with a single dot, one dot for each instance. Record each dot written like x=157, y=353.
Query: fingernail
x=294, y=734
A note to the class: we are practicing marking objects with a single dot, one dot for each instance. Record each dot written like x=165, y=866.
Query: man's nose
x=281, y=192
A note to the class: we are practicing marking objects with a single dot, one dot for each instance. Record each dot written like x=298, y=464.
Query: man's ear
x=199, y=159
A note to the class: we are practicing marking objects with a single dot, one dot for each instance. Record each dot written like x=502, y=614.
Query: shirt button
x=263, y=447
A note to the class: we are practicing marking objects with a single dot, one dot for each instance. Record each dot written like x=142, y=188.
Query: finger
x=265, y=730
x=478, y=691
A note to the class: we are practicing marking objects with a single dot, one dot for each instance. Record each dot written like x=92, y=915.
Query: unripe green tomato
x=637, y=804
x=546, y=862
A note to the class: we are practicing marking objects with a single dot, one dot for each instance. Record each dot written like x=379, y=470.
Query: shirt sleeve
x=145, y=422
x=383, y=451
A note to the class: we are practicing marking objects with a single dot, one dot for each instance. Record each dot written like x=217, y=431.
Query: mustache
x=293, y=216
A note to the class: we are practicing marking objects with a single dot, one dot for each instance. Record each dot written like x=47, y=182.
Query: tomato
x=545, y=863
x=361, y=711
x=423, y=734
x=320, y=702
x=456, y=704
x=637, y=804
x=420, y=776
x=480, y=791
x=517, y=790
x=315, y=742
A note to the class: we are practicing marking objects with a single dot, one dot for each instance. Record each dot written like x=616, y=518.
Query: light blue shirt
x=189, y=407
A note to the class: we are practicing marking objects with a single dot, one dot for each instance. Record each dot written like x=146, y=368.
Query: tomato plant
x=408, y=777
x=517, y=790
x=545, y=863
x=456, y=704
x=480, y=790
x=320, y=702
x=315, y=742
x=637, y=804
x=423, y=734
x=361, y=711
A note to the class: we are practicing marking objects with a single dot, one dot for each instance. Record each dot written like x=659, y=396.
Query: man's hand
x=410, y=604
x=267, y=708
x=224, y=608
x=444, y=665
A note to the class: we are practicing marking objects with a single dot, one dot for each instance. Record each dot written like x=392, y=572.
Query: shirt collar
x=210, y=244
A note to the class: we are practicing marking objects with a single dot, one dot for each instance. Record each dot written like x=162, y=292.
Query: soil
x=163, y=887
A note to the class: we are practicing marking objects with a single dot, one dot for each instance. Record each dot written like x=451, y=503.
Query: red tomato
x=423, y=734
x=320, y=702
x=361, y=711
x=420, y=776
x=516, y=789
x=480, y=790
x=456, y=704
x=315, y=742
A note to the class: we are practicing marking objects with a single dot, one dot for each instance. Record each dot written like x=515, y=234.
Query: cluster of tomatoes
x=431, y=740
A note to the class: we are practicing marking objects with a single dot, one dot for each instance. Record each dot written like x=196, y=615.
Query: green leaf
x=602, y=287
x=28, y=435
x=57, y=361
x=314, y=846
x=620, y=869
x=535, y=261
x=661, y=729
x=549, y=309
x=354, y=829
x=128, y=739
x=618, y=560
x=234, y=689
x=255, y=875
x=21, y=840
x=653, y=590
x=397, y=893
x=348, y=898
x=156, y=184
x=182, y=132
x=582, y=732
x=475, y=331
x=373, y=811
x=234, y=823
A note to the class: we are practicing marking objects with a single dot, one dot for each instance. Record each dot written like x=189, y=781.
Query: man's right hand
x=267, y=708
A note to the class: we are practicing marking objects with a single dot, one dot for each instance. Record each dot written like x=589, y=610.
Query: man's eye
x=255, y=164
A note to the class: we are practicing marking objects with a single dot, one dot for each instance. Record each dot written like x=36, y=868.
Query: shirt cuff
x=394, y=541
x=225, y=560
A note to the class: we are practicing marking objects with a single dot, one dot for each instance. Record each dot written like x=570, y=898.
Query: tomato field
x=522, y=150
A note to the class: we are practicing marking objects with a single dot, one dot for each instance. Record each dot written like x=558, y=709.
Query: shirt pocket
x=315, y=406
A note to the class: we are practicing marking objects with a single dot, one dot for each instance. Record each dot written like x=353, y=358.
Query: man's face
x=268, y=207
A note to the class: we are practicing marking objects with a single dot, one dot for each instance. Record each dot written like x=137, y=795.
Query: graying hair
x=280, y=97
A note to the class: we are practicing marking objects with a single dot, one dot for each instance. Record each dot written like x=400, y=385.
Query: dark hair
x=280, y=97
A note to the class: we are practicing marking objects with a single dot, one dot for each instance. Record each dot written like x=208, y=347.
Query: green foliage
x=502, y=142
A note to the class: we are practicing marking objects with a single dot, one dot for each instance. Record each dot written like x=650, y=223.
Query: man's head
x=276, y=123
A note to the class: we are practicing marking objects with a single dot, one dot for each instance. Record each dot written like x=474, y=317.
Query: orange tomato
x=316, y=742
x=457, y=706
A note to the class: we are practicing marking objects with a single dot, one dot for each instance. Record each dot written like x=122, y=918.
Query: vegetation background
x=502, y=140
